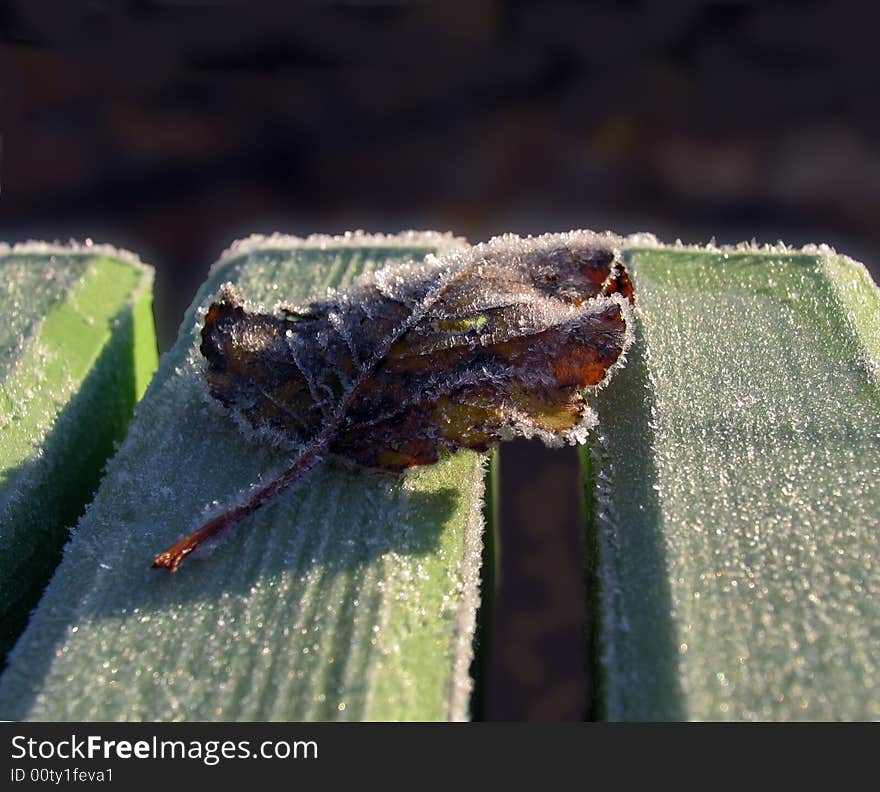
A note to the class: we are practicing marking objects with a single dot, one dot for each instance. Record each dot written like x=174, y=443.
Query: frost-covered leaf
x=420, y=359
x=77, y=349
x=738, y=476
x=351, y=597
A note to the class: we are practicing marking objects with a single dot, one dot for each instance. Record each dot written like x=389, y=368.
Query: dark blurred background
x=172, y=127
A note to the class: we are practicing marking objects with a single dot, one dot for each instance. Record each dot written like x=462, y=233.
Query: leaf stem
x=172, y=558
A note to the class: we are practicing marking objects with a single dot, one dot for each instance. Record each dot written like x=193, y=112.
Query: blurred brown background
x=174, y=126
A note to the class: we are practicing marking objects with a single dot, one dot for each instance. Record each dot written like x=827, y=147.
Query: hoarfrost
x=740, y=489
x=308, y=579
x=458, y=350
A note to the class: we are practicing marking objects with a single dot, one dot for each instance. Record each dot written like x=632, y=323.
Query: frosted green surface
x=350, y=597
x=76, y=346
x=738, y=479
x=30, y=284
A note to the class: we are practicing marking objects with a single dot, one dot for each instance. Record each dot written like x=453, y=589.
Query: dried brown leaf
x=424, y=358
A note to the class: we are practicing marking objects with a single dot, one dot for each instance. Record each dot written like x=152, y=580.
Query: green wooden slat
x=76, y=351
x=351, y=597
x=735, y=491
